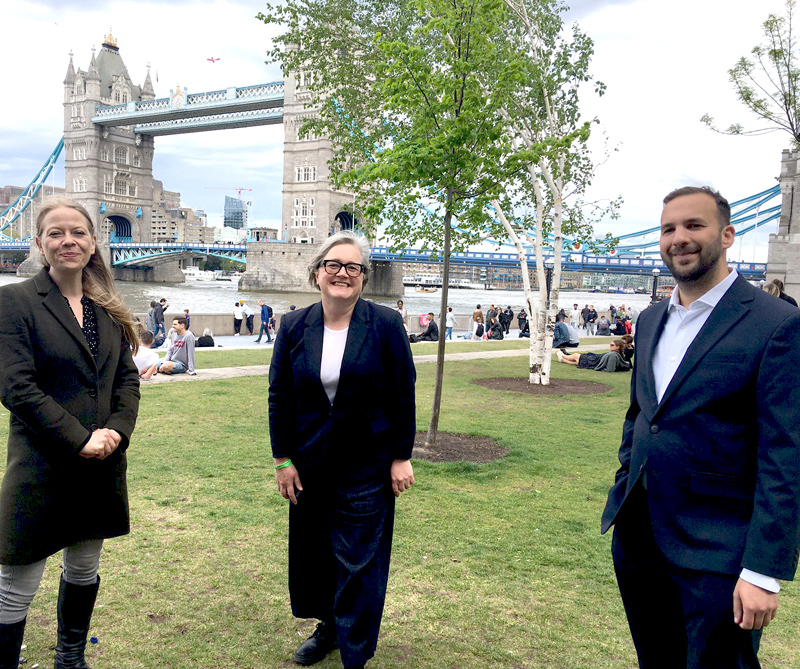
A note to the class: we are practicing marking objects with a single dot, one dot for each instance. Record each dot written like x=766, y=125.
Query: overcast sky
x=665, y=64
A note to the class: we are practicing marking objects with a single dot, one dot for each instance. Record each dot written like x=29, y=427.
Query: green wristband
x=284, y=465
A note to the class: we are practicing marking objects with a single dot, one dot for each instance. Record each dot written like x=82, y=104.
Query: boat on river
x=194, y=274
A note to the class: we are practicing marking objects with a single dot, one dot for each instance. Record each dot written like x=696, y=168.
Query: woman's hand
x=101, y=444
x=402, y=476
x=288, y=480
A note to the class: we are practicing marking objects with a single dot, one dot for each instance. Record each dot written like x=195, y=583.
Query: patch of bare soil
x=455, y=447
x=555, y=387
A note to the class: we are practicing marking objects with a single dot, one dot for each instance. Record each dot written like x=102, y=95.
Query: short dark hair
x=723, y=208
x=181, y=320
x=560, y=317
x=430, y=313
x=163, y=299
x=146, y=337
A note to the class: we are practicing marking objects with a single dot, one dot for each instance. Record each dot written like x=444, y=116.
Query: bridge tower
x=312, y=209
x=108, y=170
x=783, y=260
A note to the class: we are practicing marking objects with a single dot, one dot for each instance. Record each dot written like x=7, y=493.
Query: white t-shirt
x=333, y=344
x=146, y=357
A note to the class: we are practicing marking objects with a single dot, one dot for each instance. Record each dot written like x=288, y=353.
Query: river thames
x=219, y=298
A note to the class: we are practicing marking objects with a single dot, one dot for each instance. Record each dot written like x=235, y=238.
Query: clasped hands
x=101, y=444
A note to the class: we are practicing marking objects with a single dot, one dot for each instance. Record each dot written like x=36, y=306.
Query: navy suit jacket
x=372, y=419
x=722, y=448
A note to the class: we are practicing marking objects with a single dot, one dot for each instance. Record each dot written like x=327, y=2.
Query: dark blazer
x=57, y=393
x=372, y=420
x=722, y=448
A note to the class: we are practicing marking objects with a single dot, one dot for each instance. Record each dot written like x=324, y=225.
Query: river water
x=219, y=298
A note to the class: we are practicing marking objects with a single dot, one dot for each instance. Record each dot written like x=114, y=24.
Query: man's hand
x=402, y=474
x=753, y=607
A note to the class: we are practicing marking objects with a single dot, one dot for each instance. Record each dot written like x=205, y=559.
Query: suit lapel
x=55, y=303
x=733, y=306
x=647, y=339
x=356, y=335
x=312, y=339
x=105, y=332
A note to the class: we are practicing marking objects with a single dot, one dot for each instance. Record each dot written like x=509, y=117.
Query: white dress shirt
x=680, y=330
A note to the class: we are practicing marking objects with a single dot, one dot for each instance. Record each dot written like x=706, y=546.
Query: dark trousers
x=237, y=325
x=340, y=544
x=250, y=323
x=678, y=617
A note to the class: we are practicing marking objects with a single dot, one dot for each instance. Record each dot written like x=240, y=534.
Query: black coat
x=722, y=447
x=57, y=393
x=372, y=420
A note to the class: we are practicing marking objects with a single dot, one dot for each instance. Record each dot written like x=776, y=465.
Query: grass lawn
x=213, y=358
x=495, y=566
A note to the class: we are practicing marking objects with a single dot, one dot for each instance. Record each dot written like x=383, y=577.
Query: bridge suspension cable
x=30, y=192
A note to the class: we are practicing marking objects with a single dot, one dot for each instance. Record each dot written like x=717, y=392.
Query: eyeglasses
x=352, y=268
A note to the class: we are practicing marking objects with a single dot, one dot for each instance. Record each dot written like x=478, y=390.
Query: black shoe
x=317, y=646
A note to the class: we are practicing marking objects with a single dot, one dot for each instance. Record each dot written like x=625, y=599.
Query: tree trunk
x=430, y=440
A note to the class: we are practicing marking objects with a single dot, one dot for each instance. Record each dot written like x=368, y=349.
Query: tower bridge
x=109, y=130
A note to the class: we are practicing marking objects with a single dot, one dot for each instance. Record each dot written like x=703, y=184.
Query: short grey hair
x=344, y=237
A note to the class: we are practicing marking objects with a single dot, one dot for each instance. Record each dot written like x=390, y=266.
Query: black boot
x=10, y=643
x=75, y=606
x=318, y=645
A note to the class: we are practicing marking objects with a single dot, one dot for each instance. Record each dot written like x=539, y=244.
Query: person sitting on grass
x=627, y=351
x=561, y=336
x=207, y=340
x=604, y=326
x=607, y=362
x=180, y=354
x=495, y=329
x=431, y=333
x=146, y=359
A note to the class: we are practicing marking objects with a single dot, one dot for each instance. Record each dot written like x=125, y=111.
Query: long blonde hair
x=98, y=283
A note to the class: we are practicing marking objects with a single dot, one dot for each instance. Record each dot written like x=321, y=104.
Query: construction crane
x=236, y=188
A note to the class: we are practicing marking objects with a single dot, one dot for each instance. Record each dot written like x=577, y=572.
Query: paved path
x=263, y=370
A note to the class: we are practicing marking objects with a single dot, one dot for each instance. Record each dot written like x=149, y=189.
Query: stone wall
x=167, y=272
x=283, y=267
x=783, y=260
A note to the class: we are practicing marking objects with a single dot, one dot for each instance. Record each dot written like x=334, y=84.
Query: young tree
x=767, y=82
x=394, y=89
x=550, y=138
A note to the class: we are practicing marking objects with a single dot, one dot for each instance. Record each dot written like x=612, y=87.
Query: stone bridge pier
x=783, y=260
x=280, y=267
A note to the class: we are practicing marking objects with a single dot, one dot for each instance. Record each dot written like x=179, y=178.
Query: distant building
x=169, y=222
x=229, y=235
x=235, y=213
x=263, y=234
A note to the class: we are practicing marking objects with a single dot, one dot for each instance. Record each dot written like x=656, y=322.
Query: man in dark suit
x=706, y=503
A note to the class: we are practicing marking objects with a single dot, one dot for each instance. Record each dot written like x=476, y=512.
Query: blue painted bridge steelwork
x=143, y=254
x=183, y=113
x=131, y=254
x=572, y=262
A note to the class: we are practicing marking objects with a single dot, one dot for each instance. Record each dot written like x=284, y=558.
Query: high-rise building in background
x=235, y=213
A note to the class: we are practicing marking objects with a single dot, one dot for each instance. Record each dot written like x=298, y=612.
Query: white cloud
x=665, y=65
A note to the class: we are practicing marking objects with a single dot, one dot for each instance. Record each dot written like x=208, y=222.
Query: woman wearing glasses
x=342, y=424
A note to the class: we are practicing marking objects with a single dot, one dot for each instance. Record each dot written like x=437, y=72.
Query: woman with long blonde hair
x=72, y=390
